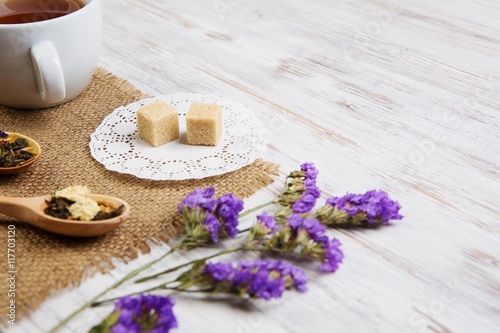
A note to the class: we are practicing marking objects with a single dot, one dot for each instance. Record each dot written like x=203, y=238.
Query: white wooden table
x=380, y=94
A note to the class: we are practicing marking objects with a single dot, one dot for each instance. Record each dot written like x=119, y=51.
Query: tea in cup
x=49, y=50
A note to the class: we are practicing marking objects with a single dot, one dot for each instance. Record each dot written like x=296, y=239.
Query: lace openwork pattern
x=116, y=144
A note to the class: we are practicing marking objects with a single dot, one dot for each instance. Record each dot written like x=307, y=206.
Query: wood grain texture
x=398, y=95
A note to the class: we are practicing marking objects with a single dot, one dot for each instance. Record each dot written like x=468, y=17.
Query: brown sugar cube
x=204, y=124
x=158, y=123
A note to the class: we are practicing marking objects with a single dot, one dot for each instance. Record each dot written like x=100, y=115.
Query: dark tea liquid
x=26, y=11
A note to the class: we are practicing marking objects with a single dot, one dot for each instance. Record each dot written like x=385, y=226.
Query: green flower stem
x=189, y=290
x=256, y=208
x=244, y=230
x=163, y=286
x=173, y=269
x=252, y=210
x=159, y=287
x=115, y=285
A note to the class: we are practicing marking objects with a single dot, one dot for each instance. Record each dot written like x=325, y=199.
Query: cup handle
x=48, y=72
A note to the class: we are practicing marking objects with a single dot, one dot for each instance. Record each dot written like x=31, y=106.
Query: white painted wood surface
x=393, y=94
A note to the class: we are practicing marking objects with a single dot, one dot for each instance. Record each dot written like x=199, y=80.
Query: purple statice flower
x=262, y=285
x=310, y=170
x=285, y=269
x=145, y=313
x=300, y=192
x=305, y=204
x=199, y=198
x=311, y=188
x=3, y=134
x=267, y=221
x=295, y=221
x=266, y=225
x=315, y=230
x=308, y=198
x=333, y=255
x=219, y=271
x=299, y=278
x=228, y=208
x=265, y=279
x=126, y=323
x=212, y=224
x=307, y=237
x=207, y=219
x=372, y=208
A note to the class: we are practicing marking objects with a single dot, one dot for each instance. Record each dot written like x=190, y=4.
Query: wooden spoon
x=31, y=210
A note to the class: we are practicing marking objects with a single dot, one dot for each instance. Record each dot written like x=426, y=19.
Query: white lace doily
x=116, y=144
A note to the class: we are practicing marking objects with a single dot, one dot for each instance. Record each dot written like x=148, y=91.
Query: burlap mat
x=46, y=262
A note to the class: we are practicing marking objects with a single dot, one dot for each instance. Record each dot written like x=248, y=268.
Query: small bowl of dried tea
x=17, y=153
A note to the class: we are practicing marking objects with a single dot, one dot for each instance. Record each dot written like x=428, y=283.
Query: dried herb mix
x=59, y=207
x=13, y=151
x=74, y=203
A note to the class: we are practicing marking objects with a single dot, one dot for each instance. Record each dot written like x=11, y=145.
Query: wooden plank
x=396, y=95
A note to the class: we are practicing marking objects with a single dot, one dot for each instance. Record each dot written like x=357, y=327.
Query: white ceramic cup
x=47, y=63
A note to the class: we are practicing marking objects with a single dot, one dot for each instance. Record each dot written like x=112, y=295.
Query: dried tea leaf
x=12, y=153
x=58, y=207
x=108, y=215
